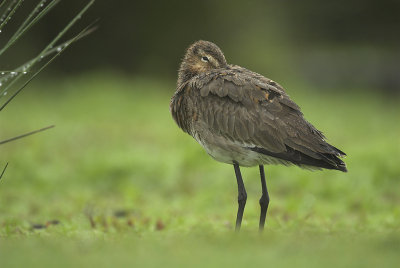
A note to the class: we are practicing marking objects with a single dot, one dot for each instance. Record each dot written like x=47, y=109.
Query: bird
x=244, y=119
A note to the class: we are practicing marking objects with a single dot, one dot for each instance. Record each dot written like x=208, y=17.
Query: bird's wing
x=254, y=111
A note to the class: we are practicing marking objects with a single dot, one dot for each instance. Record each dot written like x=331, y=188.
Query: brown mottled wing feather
x=252, y=110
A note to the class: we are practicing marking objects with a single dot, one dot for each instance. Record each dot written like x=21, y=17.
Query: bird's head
x=200, y=57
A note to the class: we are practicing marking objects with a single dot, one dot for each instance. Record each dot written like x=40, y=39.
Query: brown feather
x=249, y=109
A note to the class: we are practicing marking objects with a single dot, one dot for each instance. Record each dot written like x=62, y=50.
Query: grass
x=9, y=78
x=116, y=183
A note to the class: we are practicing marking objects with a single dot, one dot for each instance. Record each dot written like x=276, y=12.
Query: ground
x=117, y=182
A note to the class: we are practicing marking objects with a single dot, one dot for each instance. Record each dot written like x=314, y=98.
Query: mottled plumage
x=243, y=118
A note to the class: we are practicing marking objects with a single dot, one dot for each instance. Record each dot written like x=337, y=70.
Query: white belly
x=227, y=151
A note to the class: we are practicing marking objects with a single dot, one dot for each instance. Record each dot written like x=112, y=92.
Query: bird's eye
x=205, y=59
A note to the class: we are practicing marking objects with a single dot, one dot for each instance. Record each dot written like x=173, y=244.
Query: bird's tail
x=319, y=160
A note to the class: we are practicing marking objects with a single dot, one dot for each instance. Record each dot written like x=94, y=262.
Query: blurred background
x=117, y=163
x=337, y=44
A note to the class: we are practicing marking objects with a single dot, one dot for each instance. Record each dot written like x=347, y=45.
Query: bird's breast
x=183, y=111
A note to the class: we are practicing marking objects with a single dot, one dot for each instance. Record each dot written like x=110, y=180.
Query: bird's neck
x=186, y=72
x=184, y=76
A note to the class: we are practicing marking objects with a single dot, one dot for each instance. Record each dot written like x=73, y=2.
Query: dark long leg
x=242, y=196
x=264, y=200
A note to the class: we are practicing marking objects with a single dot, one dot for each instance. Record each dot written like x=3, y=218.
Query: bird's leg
x=242, y=196
x=264, y=200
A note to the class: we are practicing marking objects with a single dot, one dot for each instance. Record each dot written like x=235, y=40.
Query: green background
x=116, y=182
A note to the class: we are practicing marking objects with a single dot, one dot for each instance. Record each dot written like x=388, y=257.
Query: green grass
x=127, y=186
